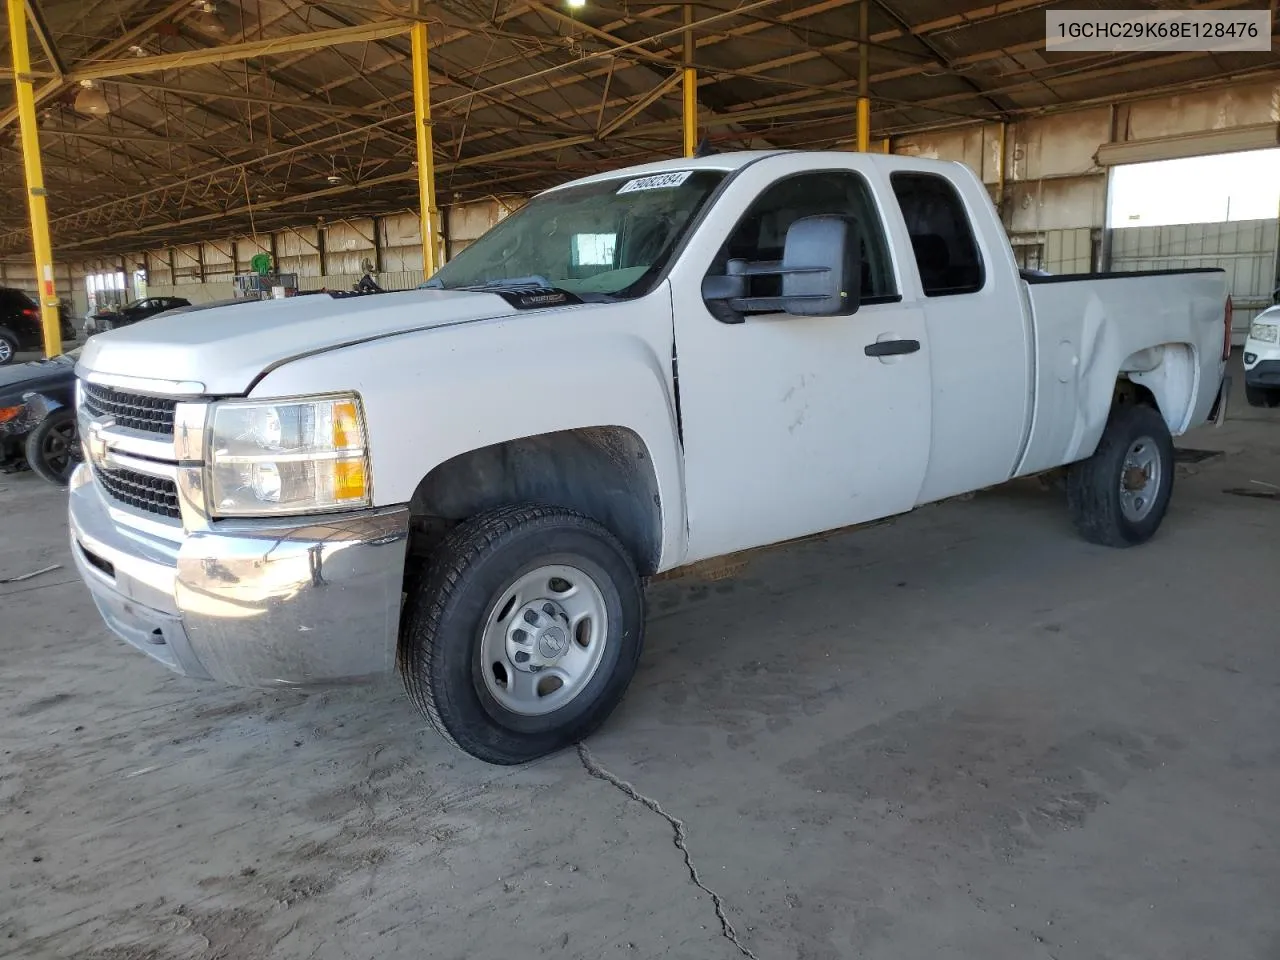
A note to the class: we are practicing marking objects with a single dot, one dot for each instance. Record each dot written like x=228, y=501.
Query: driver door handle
x=891, y=348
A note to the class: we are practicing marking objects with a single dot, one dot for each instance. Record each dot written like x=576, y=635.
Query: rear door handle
x=891, y=348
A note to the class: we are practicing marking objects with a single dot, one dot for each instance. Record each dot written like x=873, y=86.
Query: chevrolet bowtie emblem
x=96, y=442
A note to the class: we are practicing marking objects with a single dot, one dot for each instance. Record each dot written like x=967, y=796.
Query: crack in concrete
x=680, y=838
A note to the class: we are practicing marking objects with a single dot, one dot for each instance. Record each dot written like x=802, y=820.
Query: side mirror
x=822, y=267
x=821, y=274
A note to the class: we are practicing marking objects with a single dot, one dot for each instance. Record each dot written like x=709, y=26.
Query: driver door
x=794, y=425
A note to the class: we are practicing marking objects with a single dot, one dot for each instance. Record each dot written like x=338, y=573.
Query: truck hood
x=222, y=351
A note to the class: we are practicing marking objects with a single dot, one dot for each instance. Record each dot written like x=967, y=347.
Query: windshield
x=607, y=239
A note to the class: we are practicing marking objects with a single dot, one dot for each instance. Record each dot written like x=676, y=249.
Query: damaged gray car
x=37, y=418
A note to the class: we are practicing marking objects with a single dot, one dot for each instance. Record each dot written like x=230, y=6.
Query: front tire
x=53, y=447
x=1262, y=396
x=1118, y=497
x=524, y=634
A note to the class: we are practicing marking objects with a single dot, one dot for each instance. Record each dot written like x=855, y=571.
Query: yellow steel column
x=864, y=98
x=428, y=214
x=690, y=87
x=35, y=178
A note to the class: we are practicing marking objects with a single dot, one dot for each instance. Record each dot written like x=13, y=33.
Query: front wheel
x=53, y=447
x=1118, y=497
x=524, y=634
x=1262, y=396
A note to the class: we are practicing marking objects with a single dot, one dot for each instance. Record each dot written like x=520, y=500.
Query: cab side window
x=761, y=234
x=941, y=235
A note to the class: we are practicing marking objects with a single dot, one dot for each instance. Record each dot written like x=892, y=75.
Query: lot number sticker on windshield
x=659, y=181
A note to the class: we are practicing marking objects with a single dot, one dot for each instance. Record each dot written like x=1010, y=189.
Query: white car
x=1262, y=360
x=633, y=372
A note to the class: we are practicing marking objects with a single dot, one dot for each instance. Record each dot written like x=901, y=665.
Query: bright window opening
x=594, y=249
x=1226, y=187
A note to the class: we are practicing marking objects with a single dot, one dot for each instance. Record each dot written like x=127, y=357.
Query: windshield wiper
x=522, y=283
x=534, y=288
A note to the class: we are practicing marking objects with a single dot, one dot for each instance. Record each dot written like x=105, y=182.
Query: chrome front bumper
x=252, y=603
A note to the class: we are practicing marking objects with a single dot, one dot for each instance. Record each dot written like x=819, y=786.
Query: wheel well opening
x=1162, y=377
x=1128, y=393
x=604, y=472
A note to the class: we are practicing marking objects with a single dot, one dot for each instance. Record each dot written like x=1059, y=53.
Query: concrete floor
x=961, y=734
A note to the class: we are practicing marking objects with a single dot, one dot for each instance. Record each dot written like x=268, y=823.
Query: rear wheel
x=8, y=347
x=1118, y=497
x=524, y=634
x=1262, y=396
x=53, y=447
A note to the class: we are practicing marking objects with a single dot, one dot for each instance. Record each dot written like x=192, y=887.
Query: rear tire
x=1262, y=396
x=524, y=634
x=53, y=447
x=1119, y=496
x=8, y=347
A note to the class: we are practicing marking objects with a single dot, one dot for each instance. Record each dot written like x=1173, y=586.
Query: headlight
x=1265, y=332
x=287, y=457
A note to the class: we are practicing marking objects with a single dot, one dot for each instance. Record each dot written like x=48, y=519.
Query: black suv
x=20, y=324
x=131, y=313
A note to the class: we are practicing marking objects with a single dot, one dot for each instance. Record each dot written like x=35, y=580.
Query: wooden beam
x=242, y=51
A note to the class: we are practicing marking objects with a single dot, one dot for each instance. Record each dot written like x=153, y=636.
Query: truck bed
x=1162, y=329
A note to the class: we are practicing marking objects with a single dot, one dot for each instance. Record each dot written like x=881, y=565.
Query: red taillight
x=1226, y=330
x=28, y=312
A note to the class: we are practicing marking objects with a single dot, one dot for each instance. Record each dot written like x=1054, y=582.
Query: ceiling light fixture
x=91, y=100
x=575, y=4
x=211, y=19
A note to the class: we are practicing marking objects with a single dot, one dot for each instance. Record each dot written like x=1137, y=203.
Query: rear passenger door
x=965, y=282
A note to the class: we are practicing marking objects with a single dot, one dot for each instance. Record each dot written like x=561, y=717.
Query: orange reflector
x=349, y=480
x=8, y=413
x=346, y=425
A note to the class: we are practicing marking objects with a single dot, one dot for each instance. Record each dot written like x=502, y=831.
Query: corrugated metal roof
x=525, y=95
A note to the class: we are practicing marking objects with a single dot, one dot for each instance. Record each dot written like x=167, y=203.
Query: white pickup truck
x=634, y=372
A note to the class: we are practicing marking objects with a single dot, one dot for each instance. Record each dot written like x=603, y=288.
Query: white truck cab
x=634, y=372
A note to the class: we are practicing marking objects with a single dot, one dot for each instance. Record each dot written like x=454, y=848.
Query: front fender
x=432, y=395
x=40, y=405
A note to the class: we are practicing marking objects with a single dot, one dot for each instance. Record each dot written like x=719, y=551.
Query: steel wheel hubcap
x=543, y=639
x=1139, y=479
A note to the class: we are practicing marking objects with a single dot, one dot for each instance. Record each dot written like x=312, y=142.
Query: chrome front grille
x=154, y=495
x=133, y=410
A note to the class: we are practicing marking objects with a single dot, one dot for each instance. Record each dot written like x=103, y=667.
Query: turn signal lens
x=8, y=413
x=349, y=482
x=346, y=425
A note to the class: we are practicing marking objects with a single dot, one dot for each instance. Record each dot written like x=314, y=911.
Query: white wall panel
x=1246, y=249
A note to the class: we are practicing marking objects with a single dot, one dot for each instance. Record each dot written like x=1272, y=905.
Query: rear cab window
x=942, y=239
